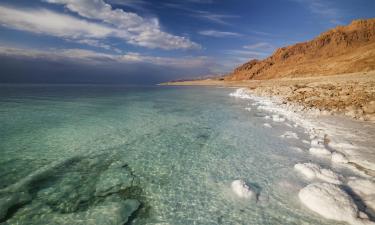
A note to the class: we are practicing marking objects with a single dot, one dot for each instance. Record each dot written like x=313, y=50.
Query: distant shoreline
x=351, y=94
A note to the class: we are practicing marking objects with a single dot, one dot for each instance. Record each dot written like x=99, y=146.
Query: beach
x=337, y=114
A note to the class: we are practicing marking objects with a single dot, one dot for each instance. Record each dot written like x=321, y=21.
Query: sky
x=152, y=41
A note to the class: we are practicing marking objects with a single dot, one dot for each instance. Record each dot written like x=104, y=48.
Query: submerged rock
x=112, y=213
x=116, y=177
x=329, y=201
x=11, y=200
x=240, y=188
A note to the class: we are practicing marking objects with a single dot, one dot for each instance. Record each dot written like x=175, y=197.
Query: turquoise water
x=143, y=155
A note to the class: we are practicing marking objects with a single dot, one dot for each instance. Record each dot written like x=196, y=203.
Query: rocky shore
x=354, y=99
x=351, y=95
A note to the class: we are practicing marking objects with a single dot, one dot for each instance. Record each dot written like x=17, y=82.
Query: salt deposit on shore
x=331, y=202
x=314, y=171
x=332, y=138
x=241, y=189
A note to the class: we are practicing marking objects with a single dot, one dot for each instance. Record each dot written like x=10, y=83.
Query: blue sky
x=140, y=41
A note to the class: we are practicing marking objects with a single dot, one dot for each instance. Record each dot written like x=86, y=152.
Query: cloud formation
x=92, y=57
x=259, y=45
x=219, y=34
x=114, y=23
x=323, y=8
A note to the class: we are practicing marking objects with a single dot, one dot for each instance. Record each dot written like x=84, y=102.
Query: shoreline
x=351, y=95
x=335, y=139
x=338, y=114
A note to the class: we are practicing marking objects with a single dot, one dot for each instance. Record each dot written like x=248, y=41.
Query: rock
x=314, y=171
x=329, y=201
x=369, y=108
x=116, y=177
x=365, y=189
x=267, y=125
x=338, y=157
x=320, y=151
x=10, y=200
x=240, y=188
x=112, y=213
x=289, y=135
x=277, y=118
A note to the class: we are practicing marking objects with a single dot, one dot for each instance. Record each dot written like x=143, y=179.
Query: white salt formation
x=329, y=201
x=318, y=148
x=338, y=157
x=267, y=125
x=312, y=171
x=240, y=188
x=277, y=118
x=248, y=109
x=365, y=189
x=289, y=135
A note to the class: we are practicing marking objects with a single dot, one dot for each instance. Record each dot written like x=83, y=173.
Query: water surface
x=178, y=148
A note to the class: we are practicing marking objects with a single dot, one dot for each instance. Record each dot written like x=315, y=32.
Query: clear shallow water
x=78, y=153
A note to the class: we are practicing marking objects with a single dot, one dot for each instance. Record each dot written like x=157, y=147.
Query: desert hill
x=344, y=49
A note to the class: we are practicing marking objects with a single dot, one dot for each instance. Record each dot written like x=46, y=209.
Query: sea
x=112, y=154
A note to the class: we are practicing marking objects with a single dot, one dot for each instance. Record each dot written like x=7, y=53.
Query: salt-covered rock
x=317, y=142
x=365, y=189
x=289, y=135
x=267, y=125
x=338, y=157
x=314, y=171
x=240, y=188
x=277, y=118
x=331, y=202
x=115, y=178
x=248, y=109
x=320, y=151
x=297, y=149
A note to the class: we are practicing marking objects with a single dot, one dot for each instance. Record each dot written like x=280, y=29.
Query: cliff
x=344, y=49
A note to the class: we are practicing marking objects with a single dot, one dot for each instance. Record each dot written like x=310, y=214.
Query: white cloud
x=135, y=30
x=141, y=31
x=215, y=33
x=43, y=21
x=323, y=8
x=249, y=54
x=92, y=57
x=259, y=45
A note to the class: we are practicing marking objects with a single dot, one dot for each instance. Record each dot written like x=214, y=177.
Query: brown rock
x=369, y=108
x=344, y=49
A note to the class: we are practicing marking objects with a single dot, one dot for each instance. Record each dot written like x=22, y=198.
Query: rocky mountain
x=344, y=49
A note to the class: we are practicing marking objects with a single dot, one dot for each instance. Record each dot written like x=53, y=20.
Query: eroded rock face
x=344, y=49
x=331, y=202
